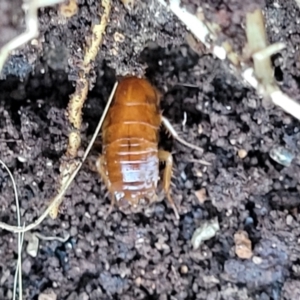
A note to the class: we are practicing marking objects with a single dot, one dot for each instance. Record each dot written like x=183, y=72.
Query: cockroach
x=129, y=164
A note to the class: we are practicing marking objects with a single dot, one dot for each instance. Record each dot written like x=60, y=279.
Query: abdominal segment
x=132, y=167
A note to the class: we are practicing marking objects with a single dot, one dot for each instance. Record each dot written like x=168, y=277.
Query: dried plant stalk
x=261, y=76
x=77, y=100
x=257, y=41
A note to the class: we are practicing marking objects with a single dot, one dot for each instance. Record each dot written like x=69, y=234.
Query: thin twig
x=197, y=27
x=286, y=103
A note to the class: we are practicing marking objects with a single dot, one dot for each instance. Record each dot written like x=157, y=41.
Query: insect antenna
x=173, y=206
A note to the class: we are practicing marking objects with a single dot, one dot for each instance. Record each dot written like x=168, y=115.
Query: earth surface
x=149, y=254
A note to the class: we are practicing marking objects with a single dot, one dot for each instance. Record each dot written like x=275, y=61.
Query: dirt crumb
x=243, y=245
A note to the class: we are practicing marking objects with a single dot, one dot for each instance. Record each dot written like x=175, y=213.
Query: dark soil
x=148, y=255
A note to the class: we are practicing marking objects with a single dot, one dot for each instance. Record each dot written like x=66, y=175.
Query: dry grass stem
x=269, y=51
x=51, y=238
x=18, y=273
x=196, y=26
x=286, y=103
x=257, y=41
x=33, y=239
x=69, y=165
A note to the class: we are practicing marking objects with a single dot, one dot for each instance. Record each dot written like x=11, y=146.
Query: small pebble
x=243, y=245
x=242, y=153
x=281, y=156
x=32, y=246
x=199, y=173
x=183, y=175
x=257, y=260
x=26, y=266
x=138, y=281
x=289, y=220
x=47, y=295
x=184, y=269
x=201, y=195
x=200, y=129
x=22, y=159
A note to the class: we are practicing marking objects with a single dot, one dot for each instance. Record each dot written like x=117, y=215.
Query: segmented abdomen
x=130, y=143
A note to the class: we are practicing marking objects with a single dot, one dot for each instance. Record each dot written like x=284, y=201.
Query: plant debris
x=205, y=232
x=243, y=245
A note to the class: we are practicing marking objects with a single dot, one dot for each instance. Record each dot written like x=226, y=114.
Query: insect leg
x=175, y=135
x=111, y=207
x=90, y=161
x=168, y=159
x=100, y=164
x=102, y=171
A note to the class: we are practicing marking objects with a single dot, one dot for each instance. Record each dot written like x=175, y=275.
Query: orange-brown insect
x=129, y=164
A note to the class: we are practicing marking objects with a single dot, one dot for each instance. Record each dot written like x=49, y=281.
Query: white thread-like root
x=175, y=135
x=18, y=272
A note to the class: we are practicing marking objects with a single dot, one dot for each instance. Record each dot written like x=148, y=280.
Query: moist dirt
x=149, y=255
